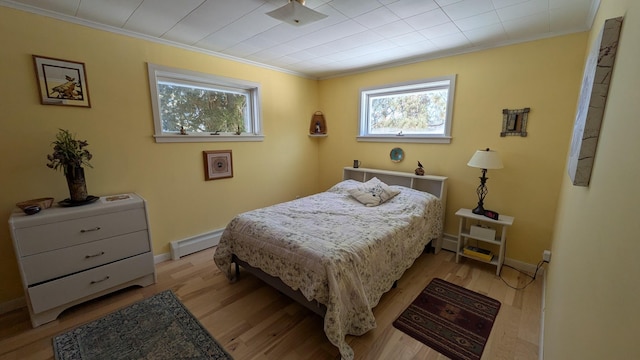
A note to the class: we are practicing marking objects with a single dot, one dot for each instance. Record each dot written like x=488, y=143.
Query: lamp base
x=478, y=210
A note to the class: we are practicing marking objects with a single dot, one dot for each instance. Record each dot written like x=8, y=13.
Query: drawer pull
x=89, y=230
x=94, y=255
x=99, y=281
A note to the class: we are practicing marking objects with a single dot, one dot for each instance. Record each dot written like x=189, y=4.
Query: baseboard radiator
x=190, y=245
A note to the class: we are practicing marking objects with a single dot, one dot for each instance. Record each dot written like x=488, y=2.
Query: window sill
x=406, y=139
x=207, y=138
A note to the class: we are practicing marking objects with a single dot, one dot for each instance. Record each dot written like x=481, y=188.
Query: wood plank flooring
x=253, y=321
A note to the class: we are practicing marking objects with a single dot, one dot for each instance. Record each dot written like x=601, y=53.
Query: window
x=417, y=111
x=196, y=107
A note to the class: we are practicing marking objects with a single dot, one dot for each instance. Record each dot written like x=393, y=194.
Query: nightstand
x=486, y=230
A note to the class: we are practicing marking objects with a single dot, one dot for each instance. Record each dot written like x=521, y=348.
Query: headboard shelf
x=433, y=184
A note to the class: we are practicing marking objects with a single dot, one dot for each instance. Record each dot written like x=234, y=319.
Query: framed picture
x=217, y=164
x=514, y=122
x=61, y=82
x=591, y=104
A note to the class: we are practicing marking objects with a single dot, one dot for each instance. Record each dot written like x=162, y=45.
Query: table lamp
x=484, y=159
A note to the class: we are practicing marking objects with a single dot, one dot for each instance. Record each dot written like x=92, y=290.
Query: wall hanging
x=217, y=164
x=318, y=125
x=592, y=101
x=396, y=154
x=514, y=122
x=61, y=82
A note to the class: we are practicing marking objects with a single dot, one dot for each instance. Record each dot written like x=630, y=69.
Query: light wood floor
x=253, y=321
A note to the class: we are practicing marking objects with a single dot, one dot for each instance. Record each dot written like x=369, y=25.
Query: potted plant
x=70, y=155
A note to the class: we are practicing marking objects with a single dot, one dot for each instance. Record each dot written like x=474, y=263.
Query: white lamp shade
x=486, y=159
x=295, y=13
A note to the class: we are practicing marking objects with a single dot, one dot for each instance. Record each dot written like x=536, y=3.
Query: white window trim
x=432, y=139
x=159, y=71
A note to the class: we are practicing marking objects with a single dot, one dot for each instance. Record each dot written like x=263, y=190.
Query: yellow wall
x=593, y=292
x=119, y=128
x=543, y=75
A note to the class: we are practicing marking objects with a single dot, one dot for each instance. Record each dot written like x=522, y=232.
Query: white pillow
x=344, y=186
x=373, y=193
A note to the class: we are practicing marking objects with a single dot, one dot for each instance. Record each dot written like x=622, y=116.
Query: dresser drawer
x=53, y=264
x=48, y=237
x=58, y=292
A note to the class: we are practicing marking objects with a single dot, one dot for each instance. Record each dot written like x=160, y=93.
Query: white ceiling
x=356, y=35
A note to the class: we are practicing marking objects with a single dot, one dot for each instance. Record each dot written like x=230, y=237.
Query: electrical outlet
x=546, y=256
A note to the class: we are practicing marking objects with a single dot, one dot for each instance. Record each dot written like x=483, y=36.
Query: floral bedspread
x=335, y=250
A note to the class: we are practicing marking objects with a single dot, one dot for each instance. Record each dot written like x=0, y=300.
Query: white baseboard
x=193, y=244
x=544, y=291
x=13, y=304
x=449, y=242
x=161, y=257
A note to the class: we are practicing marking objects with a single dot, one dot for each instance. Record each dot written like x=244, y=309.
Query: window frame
x=188, y=77
x=407, y=86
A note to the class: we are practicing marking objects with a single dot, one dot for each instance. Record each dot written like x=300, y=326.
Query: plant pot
x=76, y=183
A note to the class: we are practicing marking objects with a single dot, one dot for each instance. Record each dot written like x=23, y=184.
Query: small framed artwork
x=514, y=122
x=217, y=164
x=61, y=82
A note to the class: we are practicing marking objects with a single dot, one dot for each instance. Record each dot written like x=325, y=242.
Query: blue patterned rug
x=159, y=327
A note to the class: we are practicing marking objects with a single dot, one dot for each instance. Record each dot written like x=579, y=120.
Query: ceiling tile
x=376, y=18
x=408, y=39
x=523, y=9
x=394, y=29
x=498, y=4
x=478, y=21
x=428, y=19
x=530, y=27
x=210, y=17
x=467, y=8
x=487, y=35
x=446, y=2
x=453, y=41
x=354, y=8
x=440, y=30
x=114, y=13
x=157, y=17
x=408, y=8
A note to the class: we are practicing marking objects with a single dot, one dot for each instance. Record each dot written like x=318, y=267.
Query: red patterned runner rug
x=450, y=319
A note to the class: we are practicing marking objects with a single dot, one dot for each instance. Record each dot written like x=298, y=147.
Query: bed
x=337, y=252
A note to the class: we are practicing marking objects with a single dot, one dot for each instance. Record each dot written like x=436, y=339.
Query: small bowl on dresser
x=32, y=209
x=40, y=203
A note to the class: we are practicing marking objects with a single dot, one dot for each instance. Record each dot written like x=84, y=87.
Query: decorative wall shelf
x=318, y=125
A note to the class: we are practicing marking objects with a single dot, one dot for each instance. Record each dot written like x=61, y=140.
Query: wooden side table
x=464, y=234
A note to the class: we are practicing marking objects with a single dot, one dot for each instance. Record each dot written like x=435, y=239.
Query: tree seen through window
x=201, y=110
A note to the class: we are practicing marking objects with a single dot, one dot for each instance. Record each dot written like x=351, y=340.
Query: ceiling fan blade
x=296, y=14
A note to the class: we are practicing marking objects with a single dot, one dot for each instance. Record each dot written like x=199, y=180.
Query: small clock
x=491, y=214
x=396, y=155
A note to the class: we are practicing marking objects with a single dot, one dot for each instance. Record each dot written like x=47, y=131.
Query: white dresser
x=68, y=255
